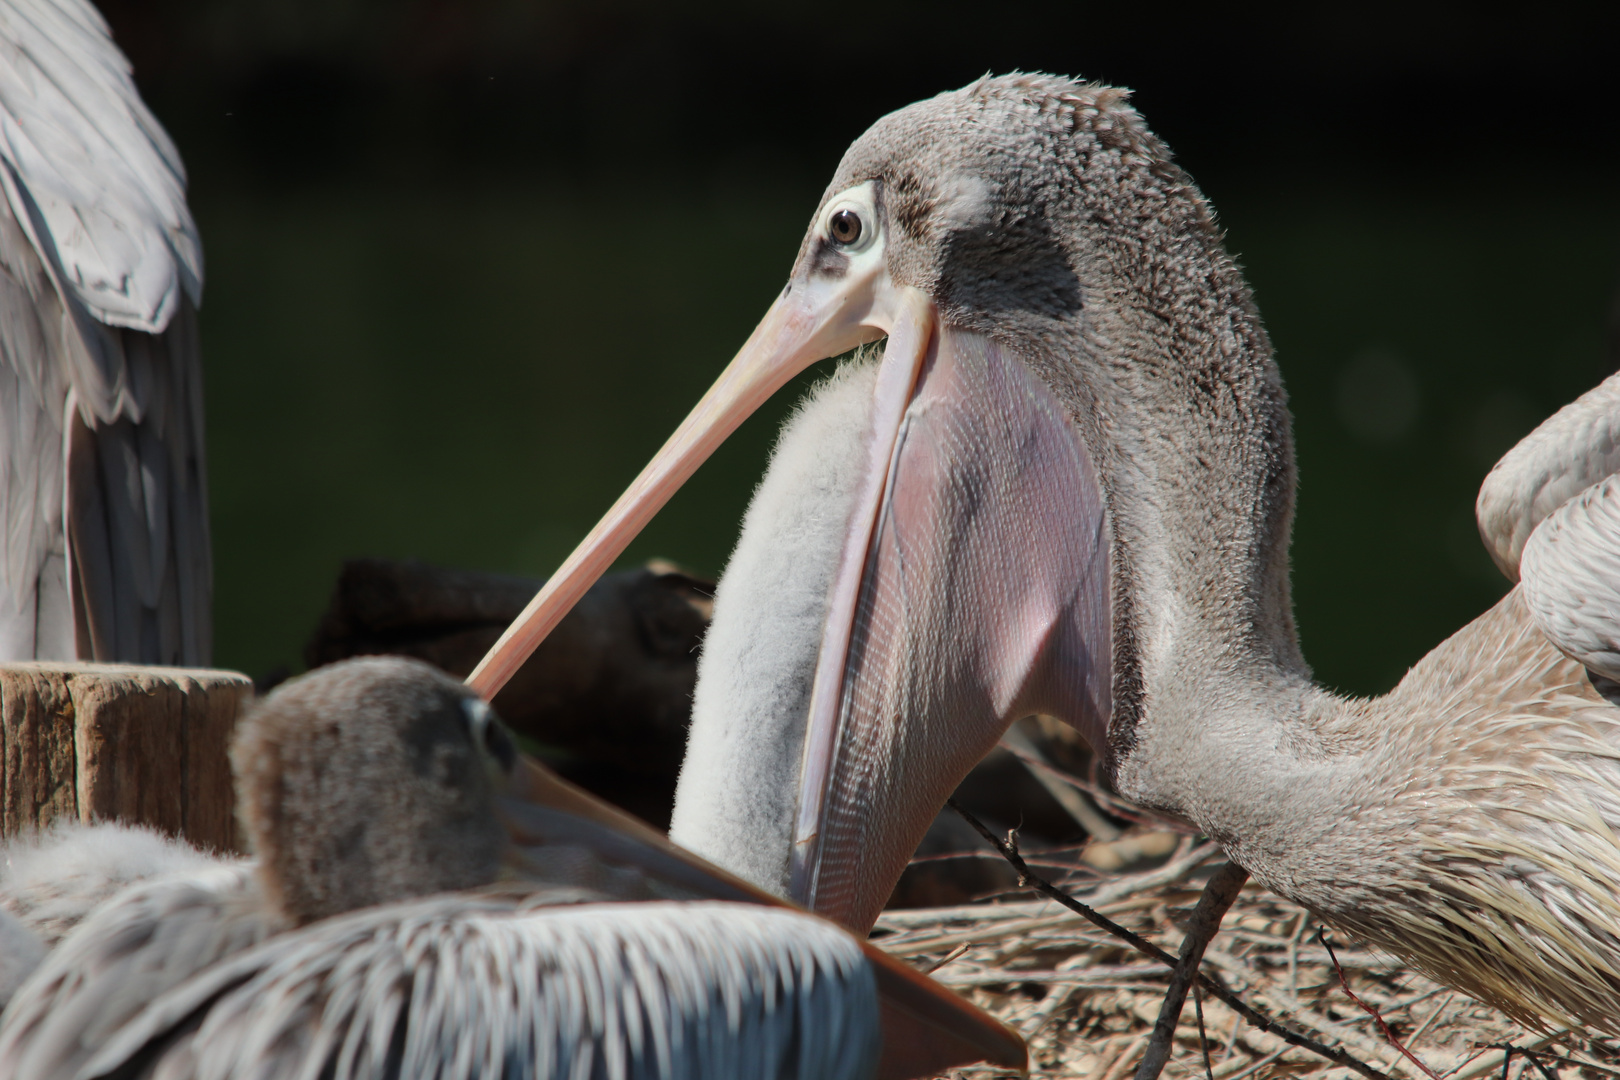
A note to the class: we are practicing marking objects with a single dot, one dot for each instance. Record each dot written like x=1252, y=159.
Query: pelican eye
x=844, y=227
x=489, y=733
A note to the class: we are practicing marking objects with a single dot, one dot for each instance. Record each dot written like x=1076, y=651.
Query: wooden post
x=144, y=745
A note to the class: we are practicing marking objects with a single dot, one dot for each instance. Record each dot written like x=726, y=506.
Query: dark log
x=144, y=745
x=611, y=686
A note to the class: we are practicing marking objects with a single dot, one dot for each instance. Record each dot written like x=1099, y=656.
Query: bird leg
x=1219, y=894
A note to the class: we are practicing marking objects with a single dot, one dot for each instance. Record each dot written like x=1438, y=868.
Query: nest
x=1086, y=1002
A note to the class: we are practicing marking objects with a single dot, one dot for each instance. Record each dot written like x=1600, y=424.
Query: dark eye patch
x=829, y=261
x=1016, y=266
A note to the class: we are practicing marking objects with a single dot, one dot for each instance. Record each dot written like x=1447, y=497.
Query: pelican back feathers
x=1467, y=822
x=148, y=940
x=457, y=988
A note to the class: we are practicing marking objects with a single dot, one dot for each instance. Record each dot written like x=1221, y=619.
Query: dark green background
x=468, y=264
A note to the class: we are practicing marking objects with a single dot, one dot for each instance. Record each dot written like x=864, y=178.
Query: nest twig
x=1087, y=1001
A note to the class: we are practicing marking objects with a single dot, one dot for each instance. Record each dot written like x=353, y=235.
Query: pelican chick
x=370, y=937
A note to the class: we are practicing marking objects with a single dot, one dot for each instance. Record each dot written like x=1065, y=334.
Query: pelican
x=390, y=926
x=1067, y=487
x=104, y=545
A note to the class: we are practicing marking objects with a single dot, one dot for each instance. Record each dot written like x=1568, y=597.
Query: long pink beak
x=803, y=326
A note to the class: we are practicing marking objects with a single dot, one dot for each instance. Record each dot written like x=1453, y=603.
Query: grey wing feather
x=1570, y=574
x=100, y=369
x=33, y=392
x=137, y=512
x=150, y=939
x=456, y=988
x=1567, y=453
x=104, y=183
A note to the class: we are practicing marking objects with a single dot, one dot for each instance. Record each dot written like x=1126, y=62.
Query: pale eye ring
x=845, y=227
x=488, y=733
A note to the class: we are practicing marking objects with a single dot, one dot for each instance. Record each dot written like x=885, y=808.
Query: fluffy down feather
x=52, y=880
x=783, y=564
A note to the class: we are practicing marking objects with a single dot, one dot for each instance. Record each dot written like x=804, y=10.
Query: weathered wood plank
x=146, y=745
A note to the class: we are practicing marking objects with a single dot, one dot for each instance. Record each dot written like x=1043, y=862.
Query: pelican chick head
x=370, y=781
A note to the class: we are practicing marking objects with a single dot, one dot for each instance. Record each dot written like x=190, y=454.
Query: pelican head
x=370, y=782
x=1076, y=410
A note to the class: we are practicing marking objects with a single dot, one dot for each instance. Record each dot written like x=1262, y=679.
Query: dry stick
x=1508, y=1050
x=1438, y=1009
x=1029, y=881
x=952, y=955
x=1222, y=889
x=1203, y=1039
x=1344, y=981
x=1564, y=1060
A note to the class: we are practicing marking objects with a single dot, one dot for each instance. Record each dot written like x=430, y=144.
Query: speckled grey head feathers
x=1042, y=212
x=370, y=781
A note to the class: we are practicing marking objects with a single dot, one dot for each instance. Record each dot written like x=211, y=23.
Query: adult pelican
x=104, y=546
x=1067, y=488
x=401, y=918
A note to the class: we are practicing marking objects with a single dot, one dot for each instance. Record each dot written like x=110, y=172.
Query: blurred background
x=469, y=261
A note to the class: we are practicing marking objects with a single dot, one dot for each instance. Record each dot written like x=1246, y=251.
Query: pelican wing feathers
x=458, y=987
x=103, y=499
x=1570, y=451
x=150, y=939
x=96, y=181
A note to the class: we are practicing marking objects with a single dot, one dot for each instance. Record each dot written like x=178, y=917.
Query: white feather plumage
x=104, y=542
x=1570, y=574
x=1549, y=513
x=1570, y=451
x=739, y=788
x=90, y=173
